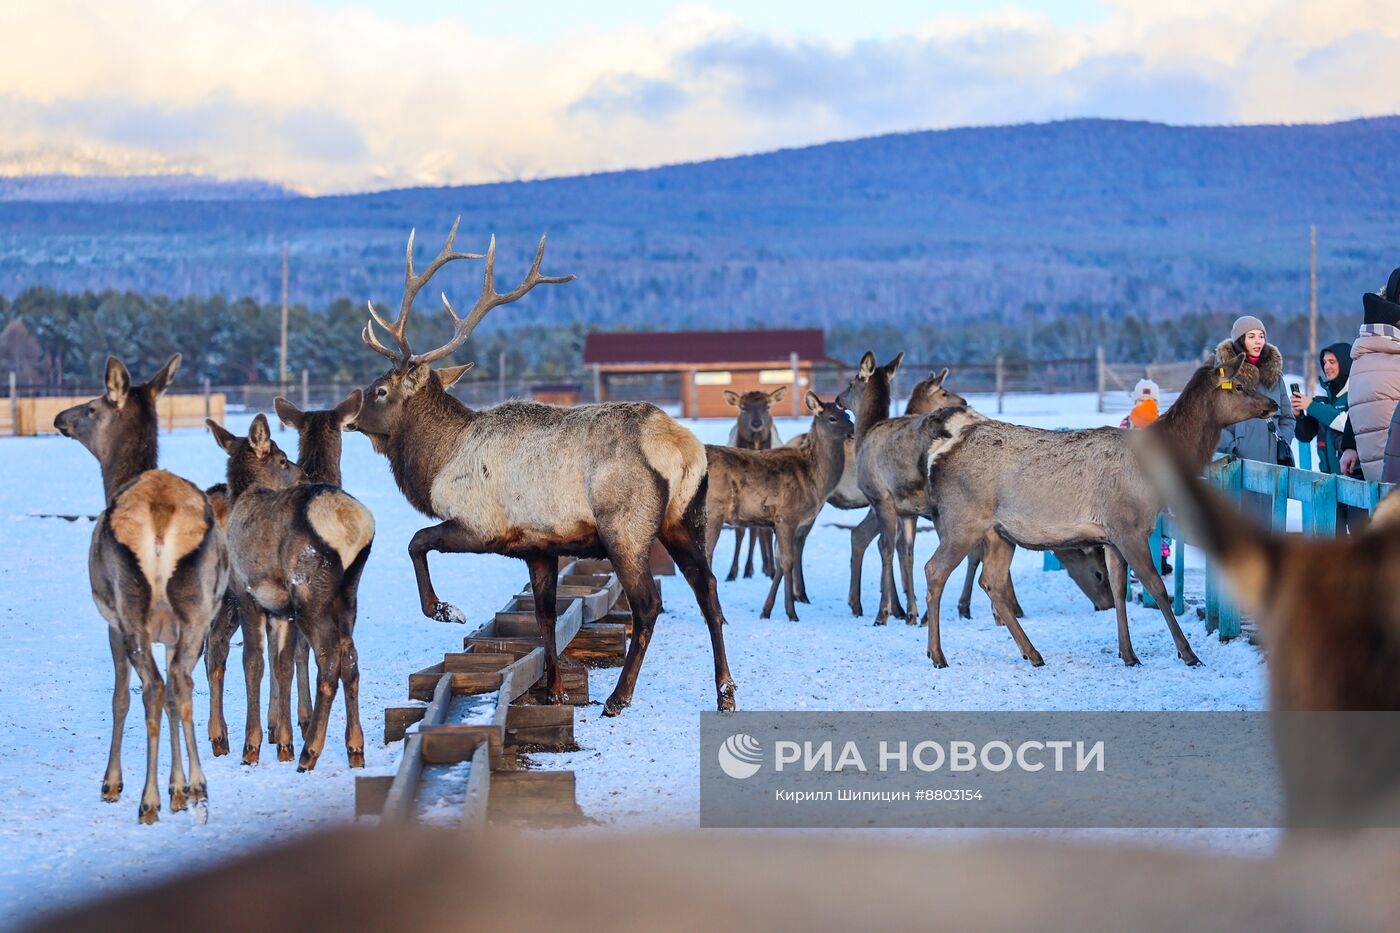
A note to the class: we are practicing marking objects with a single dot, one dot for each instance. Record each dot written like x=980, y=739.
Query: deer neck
x=430, y=433
x=1190, y=429
x=128, y=460
x=827, y=454
x=320, y=456
x=874, y=407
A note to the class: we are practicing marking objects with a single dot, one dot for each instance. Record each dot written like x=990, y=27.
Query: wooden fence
x=26, y=417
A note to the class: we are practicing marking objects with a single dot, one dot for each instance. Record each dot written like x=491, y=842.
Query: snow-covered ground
x=58, y=841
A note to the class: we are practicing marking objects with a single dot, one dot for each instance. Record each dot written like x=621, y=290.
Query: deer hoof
x=446, y=612
x=882, y=618
x=726, y=698
x=615, y=705
x=938, y=660
x=179, y=799
x=111, y=793
x=307, y=762
x=1035, y=659
x=964, y=612
x=732, y=577
x=1130, y=660
x=251, y=754
x=148, y=814
x=199, y=793
x=356, y=757
x=792, y=617
x=219, y=744
x=1190, y=658
x=557, y=699
x=284, y=751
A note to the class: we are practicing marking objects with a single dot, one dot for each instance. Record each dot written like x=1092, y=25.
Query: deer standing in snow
x=158, y=569
x=754, y=430
x=538, y=481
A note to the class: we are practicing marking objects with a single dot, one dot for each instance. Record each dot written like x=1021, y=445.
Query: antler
x=489, y=300
x=412, y=285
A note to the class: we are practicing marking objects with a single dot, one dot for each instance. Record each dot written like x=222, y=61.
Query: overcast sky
x=343, y=95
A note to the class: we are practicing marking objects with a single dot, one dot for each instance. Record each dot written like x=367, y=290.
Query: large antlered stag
x=538, y=481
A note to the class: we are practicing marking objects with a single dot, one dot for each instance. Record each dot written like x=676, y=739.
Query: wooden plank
x=590, y=565
x=463, y=662
x=478, y=799
x=547, y=726
x=371, y=790
x=450, y=743
x=397, y=719
x=599, y=643
x=517, y=678
x=534, y=796
x=575, y=677
x=403, y=790
x=517, y=647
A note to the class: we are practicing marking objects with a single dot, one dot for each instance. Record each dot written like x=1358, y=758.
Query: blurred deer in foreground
x=158, y=570
x=754, y=430
x=298, y=550
x=538, y=481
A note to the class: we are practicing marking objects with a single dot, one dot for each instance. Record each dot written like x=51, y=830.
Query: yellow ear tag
x=1225, y=385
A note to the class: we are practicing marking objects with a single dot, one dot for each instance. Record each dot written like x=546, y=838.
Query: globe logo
x=740, y=756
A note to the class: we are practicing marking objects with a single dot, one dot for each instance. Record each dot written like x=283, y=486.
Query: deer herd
x=279, y=549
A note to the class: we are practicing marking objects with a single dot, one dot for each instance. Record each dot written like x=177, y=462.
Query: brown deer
x=538, y=481
x=1085, y=488
x=297, y=551
x=782, y=489
x=158, y=568
x=754, y=430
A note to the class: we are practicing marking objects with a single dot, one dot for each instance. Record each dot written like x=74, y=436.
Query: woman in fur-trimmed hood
x=1258, y=438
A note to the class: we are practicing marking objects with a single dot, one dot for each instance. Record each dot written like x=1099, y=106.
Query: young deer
x=782, y=489
x=1060, y=489
x=539, y=481
x=158, y=568
x=754, y=431
x=297, y=551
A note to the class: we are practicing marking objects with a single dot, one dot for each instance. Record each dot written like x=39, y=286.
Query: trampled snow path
x=58, y=841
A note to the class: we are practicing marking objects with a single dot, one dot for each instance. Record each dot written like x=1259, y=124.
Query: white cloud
x=328, y=101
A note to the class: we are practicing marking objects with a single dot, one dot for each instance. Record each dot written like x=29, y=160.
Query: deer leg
x=799, y=582
x=889, y=534
x=254, y=623
x=908, y=528
x=974, y=560
x=685, y=545
x=179, y=788
x=1144, y=563
x=755, y=538
x=121, y=702
x=738, y=548
x=179, y=670
x=861, y=536
x=778, y=577
x=765, y=544
x=350, y=683
x=1013, y=602
x=996, y=580
x=302, y=658
x=634, y=573
x=215, y=663
x=544, y=585
x=448, y=537
x=138, y=650
x=280, y=714
x=955, y=540
x=1118, y=583
x=321, y=631
x=786, y=538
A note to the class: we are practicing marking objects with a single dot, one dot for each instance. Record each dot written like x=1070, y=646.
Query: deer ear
x=938, y=380
x=1244, y=551
x=814, y=404
x=867, y=366
x=222, y=436
x=893, y=364
x=291, y=415
x=777, y=395
x=731, y=397
x=260, y=436
x=118, y=382
x=161, y=379
x=417, y=377
x=348, y=410
x=449, y=375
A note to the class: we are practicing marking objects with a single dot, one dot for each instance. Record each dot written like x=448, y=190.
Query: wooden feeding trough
x=477, y=706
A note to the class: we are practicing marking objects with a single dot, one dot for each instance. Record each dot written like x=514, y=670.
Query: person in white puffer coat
x=1375, y=376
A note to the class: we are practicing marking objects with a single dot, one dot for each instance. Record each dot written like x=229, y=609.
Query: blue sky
x=345, y=95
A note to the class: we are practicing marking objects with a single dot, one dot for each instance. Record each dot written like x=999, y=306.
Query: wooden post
x=1179, y=584
x=208, y=404
x=1001, y=382
x=1311, y=370
x=14, y=405
x=305, y=390
x=501, y=377
x=598, y=384
x=694, y=396
x=796, y=386
x=1098, y=358
x=282, y=358
x=1228, y=613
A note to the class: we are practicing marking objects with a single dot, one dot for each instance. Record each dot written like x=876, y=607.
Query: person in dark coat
x=1325, y=420
x=1258, y=438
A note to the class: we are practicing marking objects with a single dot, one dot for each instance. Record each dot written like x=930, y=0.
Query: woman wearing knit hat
x=1375, y=376
x=1259, y=438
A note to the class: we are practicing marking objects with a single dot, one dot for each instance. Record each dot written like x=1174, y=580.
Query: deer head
x=755, y=413
x=384, y=399
x=1233, y=401
x=255, y=461
x=829, y=420
x=121, y=413
x=869, y=375
x=929, y=395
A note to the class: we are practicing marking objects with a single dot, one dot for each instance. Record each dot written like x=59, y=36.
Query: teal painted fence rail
x=1319, y=494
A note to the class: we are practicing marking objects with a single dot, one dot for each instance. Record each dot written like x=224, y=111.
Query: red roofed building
x=709, y=362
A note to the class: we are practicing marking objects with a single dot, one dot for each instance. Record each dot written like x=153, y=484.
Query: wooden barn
x=708, y=362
